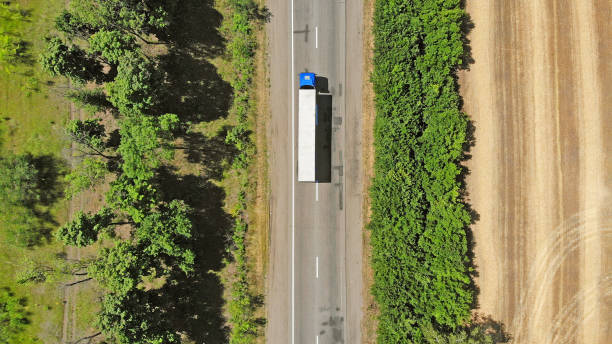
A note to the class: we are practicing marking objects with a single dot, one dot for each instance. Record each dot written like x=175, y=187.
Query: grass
x=87, y=309
x=44, y=302
x=32, y=116
x=32, y=112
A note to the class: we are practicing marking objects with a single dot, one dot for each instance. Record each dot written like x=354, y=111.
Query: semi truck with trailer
x=307, y=122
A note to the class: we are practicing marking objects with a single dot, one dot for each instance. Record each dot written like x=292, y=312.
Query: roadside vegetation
x=244, y=19
x=419, y=222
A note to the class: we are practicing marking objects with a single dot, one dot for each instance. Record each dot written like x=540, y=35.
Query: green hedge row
x=418, y=224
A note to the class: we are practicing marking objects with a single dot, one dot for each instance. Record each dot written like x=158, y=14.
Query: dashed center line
x=317, y=267
x=316, y=37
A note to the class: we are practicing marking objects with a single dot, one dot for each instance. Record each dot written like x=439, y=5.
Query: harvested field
x=539, y=93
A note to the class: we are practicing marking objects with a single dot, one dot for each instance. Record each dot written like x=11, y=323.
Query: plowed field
x=539, y=92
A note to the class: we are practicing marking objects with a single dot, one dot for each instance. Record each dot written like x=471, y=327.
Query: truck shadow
x=323, y=136
x=323, y=132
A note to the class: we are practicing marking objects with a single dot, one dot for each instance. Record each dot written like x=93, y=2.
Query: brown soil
x=538, y=93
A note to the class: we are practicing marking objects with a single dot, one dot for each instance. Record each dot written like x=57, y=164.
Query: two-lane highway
x=318, y=230
x=314, y=288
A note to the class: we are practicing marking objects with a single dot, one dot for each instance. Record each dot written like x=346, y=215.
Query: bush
x=418, y=219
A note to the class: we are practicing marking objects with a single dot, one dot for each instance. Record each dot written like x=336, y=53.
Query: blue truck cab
x=307, y=81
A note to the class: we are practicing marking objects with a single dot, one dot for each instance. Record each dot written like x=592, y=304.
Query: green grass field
x=32, y=116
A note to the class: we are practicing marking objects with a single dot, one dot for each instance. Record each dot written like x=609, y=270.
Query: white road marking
x=317, y=191
x=317, y=339
x=317, y=266
x=292, y=184
x=316, y=37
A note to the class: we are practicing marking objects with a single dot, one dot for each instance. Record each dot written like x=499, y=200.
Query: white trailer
x=307, y=122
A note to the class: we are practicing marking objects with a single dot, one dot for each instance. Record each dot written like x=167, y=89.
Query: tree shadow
x=214, y=154
x=194, y=89
x=467, y=25
x=49, y=188
x=495, y=329
x=195, y=29
x=195, y=303
x=23, y=55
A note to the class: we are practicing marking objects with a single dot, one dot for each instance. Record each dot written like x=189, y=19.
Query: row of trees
x=100, y=51
x=420, y=252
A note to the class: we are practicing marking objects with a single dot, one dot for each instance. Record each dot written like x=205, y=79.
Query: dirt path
x=69, y=323
x=88, y=201
x=69, y=318
x=539, y=93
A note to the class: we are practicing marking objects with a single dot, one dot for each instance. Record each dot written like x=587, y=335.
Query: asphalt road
x=314, y=290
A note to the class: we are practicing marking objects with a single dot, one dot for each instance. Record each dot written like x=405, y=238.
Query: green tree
x=85, y=229
x=145, y=144
x=136, y=86
x=91, y=135
x=120, y=268
x=134, y=318
x=166, y=233
x=71, y=25
x=473, y=334
x=134, y=197
x=112, y=45
x=70, y=61
x=136, y=17
x=87, y=174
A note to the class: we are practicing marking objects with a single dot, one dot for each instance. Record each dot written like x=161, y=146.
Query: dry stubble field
x=540, y=95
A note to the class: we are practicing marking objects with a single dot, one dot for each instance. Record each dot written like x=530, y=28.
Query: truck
x=307, y=122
